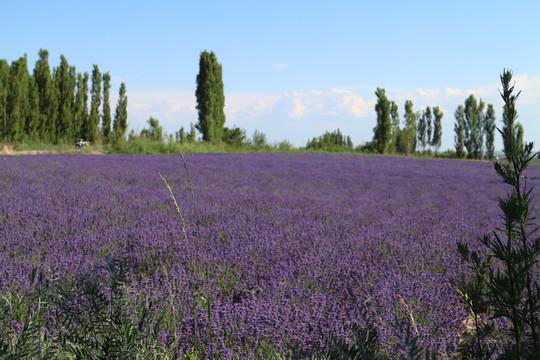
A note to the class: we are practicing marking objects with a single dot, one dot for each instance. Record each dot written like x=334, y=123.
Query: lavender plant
x=505, y=277
x=296, y=241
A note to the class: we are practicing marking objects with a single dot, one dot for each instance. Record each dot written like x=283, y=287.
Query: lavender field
x=279, y=250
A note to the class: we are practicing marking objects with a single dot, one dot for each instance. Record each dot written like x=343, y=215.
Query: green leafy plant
x=102, y=320
x=507, y=268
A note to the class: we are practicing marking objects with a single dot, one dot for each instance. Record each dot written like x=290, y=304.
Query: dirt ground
x=8, y=150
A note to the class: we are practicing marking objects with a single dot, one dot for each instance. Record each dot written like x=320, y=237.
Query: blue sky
x=292, y=69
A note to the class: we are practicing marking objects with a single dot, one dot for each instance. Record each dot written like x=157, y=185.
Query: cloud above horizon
x=298, y=116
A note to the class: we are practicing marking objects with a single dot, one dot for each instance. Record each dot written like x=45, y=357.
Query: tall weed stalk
x=504, y=276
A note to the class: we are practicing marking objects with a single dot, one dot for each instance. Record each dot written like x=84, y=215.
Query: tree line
x=422, y=129
x=474, y=130
x=58, y=106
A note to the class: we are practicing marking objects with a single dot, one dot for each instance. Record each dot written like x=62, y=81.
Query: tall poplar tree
x=422, y=127
x=47, y=98
x=383, y=130
x=210, y=98
x=459, y=132
x=436, y=139
x=17, y=103
x=489, y=131
x=429, y=127
x=120, y=115
x=394, y=115
x=106, y=118
x=91, y=131
x=474, y=132
x=64, y=83
x=80, y=110
x=410, y=127
x=4, y=87
x=32, y=117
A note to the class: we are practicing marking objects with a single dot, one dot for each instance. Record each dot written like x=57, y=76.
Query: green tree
x=91, y=130
x=210, y=98
x=106, y=117
x=489, y=131
x=235, y=137
x=154, y=132
x=4, y=89
x=459, y=132
x=331, y=141
x=32, y=118
x=80, y=109
x=422, y=127
x=436, y=139
x=180, y=136
x=48, y=107
x=383, y=130
x=410, y=128
x=394, y=115
x=17, y=104
x=192, y=134
x=120, y=115
x=258, y=139
x=474, y=134
x=64, y=84
x=519, y=134
x=429, y=127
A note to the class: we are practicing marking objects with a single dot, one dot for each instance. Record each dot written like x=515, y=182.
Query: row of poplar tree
x=53, y=107
x=474, y=130
x=421, y=129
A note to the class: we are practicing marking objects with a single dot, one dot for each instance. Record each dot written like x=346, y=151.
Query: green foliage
x=258, y=140
x=429, y=127
x=459, y=132
x=407, y=141
x=235, y=137
x=383, y=130
x=436, y=139
x=408, y=347
x=154, y=132
x=47, y=98
x=504, y=277
x=489, y=131
x=120, y=116
x=394, y=115
x=102, y=319
x=473, y=130
x=422, y=128
x=4, y=91
x=17, y=100
x=331, y=141
x=192, y=134
x=32, y=119
x=210, y=98
x=91, y=129
x=364, y=345
x=106, y=118
x=64, y=82
x=97, y=317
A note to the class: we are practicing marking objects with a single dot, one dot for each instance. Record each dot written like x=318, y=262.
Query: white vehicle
x=82, y=144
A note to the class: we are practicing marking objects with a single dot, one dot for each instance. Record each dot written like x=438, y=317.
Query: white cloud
x=529, y=87
x=280, y=66
x=453, y=92
x=336, y=102
x=298, y=116
x=356, y=105
x=172, y=108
